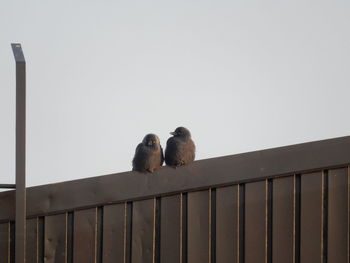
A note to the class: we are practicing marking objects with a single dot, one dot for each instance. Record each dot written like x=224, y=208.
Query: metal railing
x=289, y=204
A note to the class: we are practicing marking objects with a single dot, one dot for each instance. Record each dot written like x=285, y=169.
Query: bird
x=148, y=155
x=180, y=149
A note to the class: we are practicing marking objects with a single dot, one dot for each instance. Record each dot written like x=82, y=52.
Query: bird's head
x=181, y=132
x=151, y=140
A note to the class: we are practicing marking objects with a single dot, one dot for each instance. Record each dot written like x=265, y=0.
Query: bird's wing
x=193, y=146
x=162, y=156
x=171, y=142
x=139, y=146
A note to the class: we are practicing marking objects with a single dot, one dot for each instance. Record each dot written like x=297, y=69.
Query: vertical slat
x=269, y=211
x=227, y=224
x=184, y=226
x=143, y=236
x=114, y=233
x=283, y=220
x=170, y=229
x=12, y=242
x=56, y=238
x=32, y=241
x=212, y=226
x=311, y=218
x=41, y=239
x=84, y=238
x=99, y=235
x=297, y=217
x=198, y=231
x=128, y=232
x=241, y=222
x=256, y=222
x=70, y=233
x=338, y=224
x=4, y=242
x=156, y=249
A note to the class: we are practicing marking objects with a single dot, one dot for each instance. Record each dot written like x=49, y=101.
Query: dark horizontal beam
x=7, y=186
x=245, y=167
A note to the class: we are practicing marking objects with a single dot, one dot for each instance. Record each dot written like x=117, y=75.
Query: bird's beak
x=149, y=143
x=173, y=133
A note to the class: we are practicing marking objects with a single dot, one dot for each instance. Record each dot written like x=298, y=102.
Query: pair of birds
x=180, y=150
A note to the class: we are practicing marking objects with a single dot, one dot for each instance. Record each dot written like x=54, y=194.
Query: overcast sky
x=241, y=75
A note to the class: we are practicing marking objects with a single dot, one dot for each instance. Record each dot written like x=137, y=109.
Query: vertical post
x=20, y=224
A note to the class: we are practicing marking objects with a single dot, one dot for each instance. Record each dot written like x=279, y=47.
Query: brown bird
x=180, y=148
x=148, y=155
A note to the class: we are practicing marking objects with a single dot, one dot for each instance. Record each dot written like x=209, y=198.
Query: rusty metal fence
x=288, y=204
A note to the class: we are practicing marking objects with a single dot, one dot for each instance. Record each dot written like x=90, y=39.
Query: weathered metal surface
x=256, y=222
x=283, y=220
x=198, y=228
x=227, y=224
x=32, y=241
x=114, y=233
x=4, y=242
x=56, y=238
x=338, y=216
x=170, y=231
x=20, y=153
x=84, y=238
x=143, y=235
x=200, y=174
x=311, y=218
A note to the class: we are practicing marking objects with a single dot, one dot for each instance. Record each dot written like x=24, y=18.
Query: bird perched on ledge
x=148, y=155
x=180, y=148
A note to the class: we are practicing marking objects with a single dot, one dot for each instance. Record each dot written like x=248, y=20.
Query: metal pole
x=20, y=224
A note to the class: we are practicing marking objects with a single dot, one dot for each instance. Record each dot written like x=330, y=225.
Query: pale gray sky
x=241, y=75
